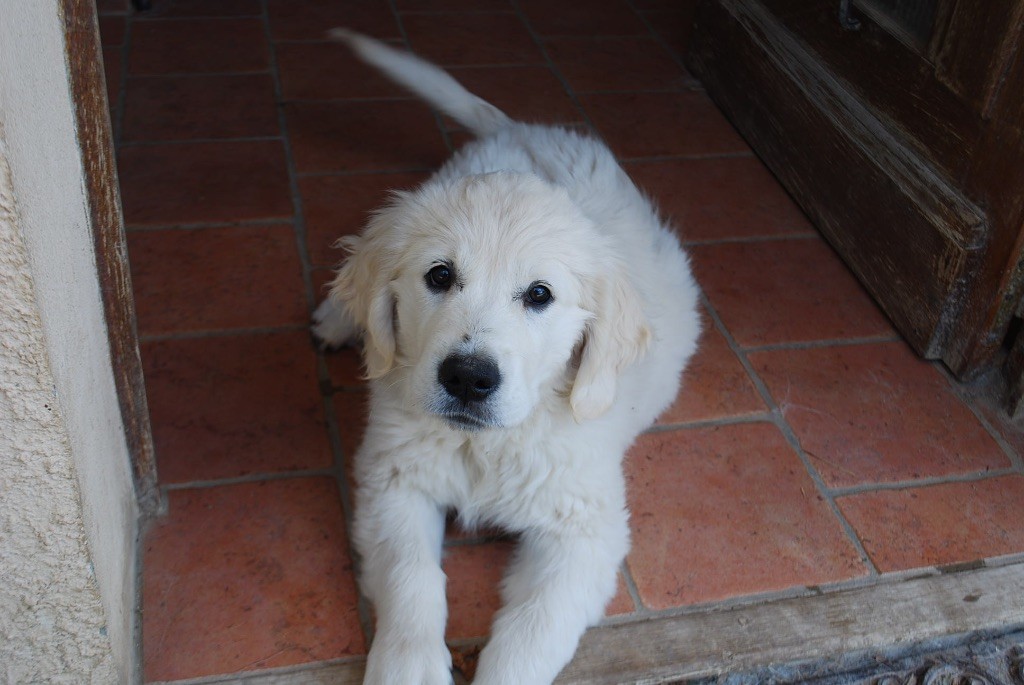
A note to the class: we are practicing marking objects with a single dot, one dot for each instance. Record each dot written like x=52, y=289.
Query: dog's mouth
x=462, y=420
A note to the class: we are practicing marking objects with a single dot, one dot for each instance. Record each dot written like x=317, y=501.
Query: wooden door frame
x=84, y=58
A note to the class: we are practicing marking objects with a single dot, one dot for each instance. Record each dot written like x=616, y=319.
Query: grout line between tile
x=142, y=523
x=156, y=19
x=472, y=541
x=249, y=478
x=539, y=42
x=756, y=417
x=801, y=235
x=438, y=117
x=208, y=224
x=972, y=477
x=692, y=155
x=790, y=437
x=222, y=332
x=366, y=172
x=1005, y=560
x=444, y=12
x=122, y=87
x=348, y=100
x=627, y=91
x=338, y=470
x=639, y=609
x=695, y=83
x=971, y=402
x=189, y=74
x=819, y=344
x=141, y=530
x=190, y=141
x=195, y=74
x=798, y=591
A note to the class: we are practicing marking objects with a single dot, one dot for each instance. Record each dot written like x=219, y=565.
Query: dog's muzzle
x=468, y=380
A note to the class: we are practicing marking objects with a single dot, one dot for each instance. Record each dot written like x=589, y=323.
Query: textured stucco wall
x=52, y=623
x=67, y=507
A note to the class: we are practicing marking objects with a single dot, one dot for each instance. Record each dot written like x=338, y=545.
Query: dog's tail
x=428, y=81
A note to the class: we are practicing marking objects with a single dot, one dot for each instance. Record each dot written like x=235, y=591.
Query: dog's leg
x=558, y=584
x=398, y=535
x=333, y=326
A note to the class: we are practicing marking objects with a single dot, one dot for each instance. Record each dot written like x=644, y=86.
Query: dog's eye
x=538, y=295
x=439, y=277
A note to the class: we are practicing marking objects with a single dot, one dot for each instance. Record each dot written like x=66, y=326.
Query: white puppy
x=524, y=316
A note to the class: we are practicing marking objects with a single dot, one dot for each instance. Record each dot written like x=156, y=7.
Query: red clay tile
x=474, y=575
x=204, y=8
x=715, y=385
x=875, y=414
x=216, y=278
x=677, y=5
x=528, y=93
x=616, y=63
x=622, y=603
x=728, y=511
x=453, y=5
x=471, y=38
x=783, y=291
x=311, y=19
x=235, y=405
x=112, y=29
x=992, y=404
x=364, y=136
x=329, y=71
x=234, y=181
x=720, y=198
x=673, y=26
x=938, y=525
x=337, y=206
x=208, y=45
x=582, y=18
x=474, y=572
x=351, y=410
x=187, y=107
x=344, y=366
x=995, y=412
x=112, y=6
x=246, y=577
x=661, y=124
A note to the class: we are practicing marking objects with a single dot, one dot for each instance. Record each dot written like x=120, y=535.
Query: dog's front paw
x=396, y=661
x=333, y=326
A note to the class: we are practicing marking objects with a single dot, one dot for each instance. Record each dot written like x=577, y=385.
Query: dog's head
x=486, y=295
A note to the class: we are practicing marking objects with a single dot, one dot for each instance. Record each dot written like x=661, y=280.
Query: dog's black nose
x=469, y=378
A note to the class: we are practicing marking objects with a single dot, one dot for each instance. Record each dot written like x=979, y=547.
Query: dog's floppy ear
x=363, y=285
x=616, y=336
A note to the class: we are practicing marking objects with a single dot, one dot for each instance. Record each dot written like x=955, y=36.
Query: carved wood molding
x=983, y=660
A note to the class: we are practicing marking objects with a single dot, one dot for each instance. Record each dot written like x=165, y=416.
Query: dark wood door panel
x=906, y=232
x=897, y=79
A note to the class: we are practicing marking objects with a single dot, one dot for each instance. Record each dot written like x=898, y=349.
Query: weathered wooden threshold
x=859, y=621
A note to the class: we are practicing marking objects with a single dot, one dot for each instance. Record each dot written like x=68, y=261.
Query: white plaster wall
x=67, y=510
x=52, y=623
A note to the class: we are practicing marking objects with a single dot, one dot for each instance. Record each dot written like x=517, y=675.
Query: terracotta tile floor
x=808, y=446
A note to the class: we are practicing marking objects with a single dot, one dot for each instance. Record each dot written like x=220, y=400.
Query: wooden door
x=898, y=128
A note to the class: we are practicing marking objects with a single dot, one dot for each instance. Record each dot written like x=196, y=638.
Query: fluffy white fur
x=580, y=376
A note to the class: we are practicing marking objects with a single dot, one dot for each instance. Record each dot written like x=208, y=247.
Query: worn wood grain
x=85, y=71
x=979, y=41
x=996, y=176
